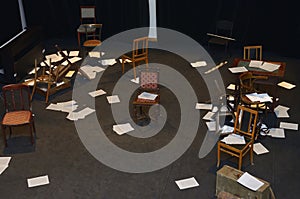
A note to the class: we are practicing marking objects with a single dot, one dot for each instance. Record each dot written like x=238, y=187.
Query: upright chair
x=250, y=50
x=148, y=84
x=17, y=106
x=139, y=53
x=244, y=125
x=92, y=39
x=87, y=16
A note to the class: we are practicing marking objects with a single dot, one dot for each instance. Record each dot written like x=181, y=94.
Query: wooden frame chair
x=245, y=125
x=92, y=39
x=248, y=51
x=18, y=112
x=139, y=53
x=87, y=15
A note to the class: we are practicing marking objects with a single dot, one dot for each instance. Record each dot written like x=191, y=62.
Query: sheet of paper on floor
x=259, y=149
x=211, y=125
x=136, y=80
x=74, y=53
x=209, y=115
x=281, y=111
x=4, y=163
x=94, y=54
x=113, y=99
x=70, y=73
x=108, y=62
x=203, y=106
x=288, y=125
x=38, y=181
x=276, y=132
x=97, y=93
x=121, y=129
x=198, y=64
x=187, y=183
x=231, y=87
x=250, y=181
x=286, y=85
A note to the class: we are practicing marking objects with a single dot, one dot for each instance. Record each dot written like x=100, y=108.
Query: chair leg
x=134, y=72
x=240, y=161
x=78, y=38
x=4, y=136
x=251, y=154
x=123, y=64
x=31, y=133
x=48, y=91
x=219, y=156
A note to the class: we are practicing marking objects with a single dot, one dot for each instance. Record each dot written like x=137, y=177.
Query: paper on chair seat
x=38, y=181
x=234, y=139
x=148, y=96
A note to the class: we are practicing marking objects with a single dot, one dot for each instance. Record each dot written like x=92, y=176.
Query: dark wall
x=274, y=24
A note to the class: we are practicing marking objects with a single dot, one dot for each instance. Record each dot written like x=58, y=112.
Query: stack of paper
x=286, y=85
x=74, y=116
x=107, y=62
x=97, y=93
x=38, y=181
x=147, y=96
x=90, y=71
x=288, y=125
x=198, y=64
x=262, y=97
x=259, y=149
x=187, y=183
x=234, y=139
x=113, y=99
x=121, y=129
x=4, y=162
x=250, y=181
x=203, y=106
x=67, y=106
x=281, y=111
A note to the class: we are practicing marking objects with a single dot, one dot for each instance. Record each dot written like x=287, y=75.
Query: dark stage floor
x=74, y=173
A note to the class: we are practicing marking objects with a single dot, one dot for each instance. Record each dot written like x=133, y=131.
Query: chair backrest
x=224, y=28
x=253, y=52
x=94, y=35
x=246, y=121
x=140, y=47
x=16, y=97
x=247, y=80
x=149, y=80
x=87, y=14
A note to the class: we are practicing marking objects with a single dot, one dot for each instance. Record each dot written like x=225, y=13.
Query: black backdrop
x=274, y=24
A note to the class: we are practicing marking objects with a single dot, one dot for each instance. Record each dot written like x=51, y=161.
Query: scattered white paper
x=187, y=183
x=125, y=61
x=203, y=106
x=259, y=149
x=250, y=181
x=4, y=162
x=227, y=129
x=238, y=69
x=147, y=96
x=67, y=106
x=38, y=181
x=288, y=125
x=54, y=57
x=74, y=53
x=33, y=71
x=199, y=64
x=234, y=139
x=74, y=116
x=255, y=63
x=286, y=85
x=90, y=71
x=97, y=93
x=108, y=62
x=211, y=125
x=281, y=111
x=276, y=133
x=270, y=67
x=231, y=87
x=259, y=97
x=71, y=60
x=70, y=73
x=136, y=80
x=208, y=116
x=113, y=99
x=121, y=129
x=2, y=168
x=94, y=54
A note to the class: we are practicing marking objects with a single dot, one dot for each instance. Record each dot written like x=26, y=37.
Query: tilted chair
x=87, y=16
x=139, y=53
x=17, y=106
x=250, y=50
x=148, y=79
x=245, y=125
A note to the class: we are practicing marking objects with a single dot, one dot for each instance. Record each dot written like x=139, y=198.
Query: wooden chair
x=17, y=106
x=148, y=83
x=87, y=15
x=139, y=53
x=244, y=125
x=92, y=39
x=249, y=50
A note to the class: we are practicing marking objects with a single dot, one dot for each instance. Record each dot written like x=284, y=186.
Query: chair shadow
x=19, y=144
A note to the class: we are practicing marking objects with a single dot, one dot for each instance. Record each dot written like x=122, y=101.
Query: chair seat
x=92, y=43
x=145, y=101
x=219, y=41
x=17, y=118
x=81, y=29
